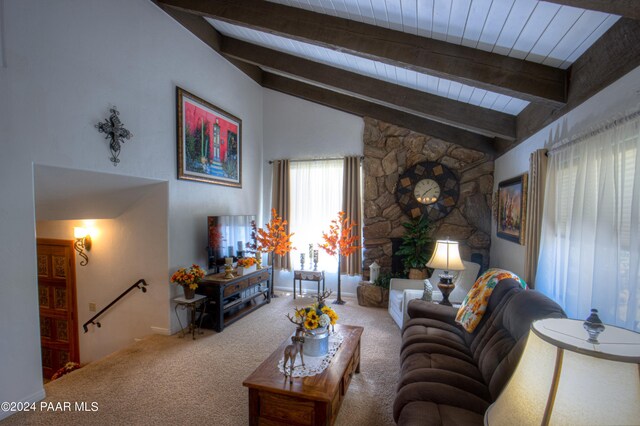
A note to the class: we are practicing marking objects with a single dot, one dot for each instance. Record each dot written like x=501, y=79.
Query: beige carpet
x=169, y=380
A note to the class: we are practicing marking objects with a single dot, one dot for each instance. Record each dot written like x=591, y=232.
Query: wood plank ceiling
x=483, y=73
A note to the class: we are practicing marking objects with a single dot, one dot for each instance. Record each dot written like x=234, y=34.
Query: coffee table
x=313, y=400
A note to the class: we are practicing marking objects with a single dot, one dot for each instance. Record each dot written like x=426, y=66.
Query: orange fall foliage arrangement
x=275, y=238
x=339, y=239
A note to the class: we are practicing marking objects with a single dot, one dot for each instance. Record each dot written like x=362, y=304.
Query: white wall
x=613, y=101
x=67, y=63
x=123, y=250
x=297, y=129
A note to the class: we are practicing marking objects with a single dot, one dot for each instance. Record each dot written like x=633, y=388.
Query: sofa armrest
x=418, y=308
x=405, y=284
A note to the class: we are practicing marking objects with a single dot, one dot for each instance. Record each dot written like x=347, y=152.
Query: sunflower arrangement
x=316, y=316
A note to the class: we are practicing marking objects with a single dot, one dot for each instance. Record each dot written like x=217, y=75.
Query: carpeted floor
x=170, y=380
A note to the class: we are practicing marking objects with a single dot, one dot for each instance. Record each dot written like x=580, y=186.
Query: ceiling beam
x=490, y=71
x=611, y=57
x=438, y=108
x=364, y=108
x=628, y=8
x=200, y=28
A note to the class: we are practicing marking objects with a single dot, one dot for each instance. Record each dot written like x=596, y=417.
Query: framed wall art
x=209, y=142
x=512, y=208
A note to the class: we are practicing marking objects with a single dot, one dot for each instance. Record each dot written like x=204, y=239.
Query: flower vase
x=244, y=270
x=189, y=293
x=316, y=342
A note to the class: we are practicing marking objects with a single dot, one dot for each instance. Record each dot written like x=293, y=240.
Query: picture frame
x=209, y=142
x=512, y=209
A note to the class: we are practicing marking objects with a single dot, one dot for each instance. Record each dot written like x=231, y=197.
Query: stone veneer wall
x=388, y=151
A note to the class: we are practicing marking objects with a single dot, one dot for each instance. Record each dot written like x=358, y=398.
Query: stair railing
x=140, y=284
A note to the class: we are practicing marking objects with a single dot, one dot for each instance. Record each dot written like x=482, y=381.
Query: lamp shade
x=563, y=379
x=446, y=256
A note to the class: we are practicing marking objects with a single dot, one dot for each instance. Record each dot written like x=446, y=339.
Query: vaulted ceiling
x=483, y=73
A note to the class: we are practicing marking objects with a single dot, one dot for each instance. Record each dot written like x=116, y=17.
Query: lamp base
x=446, y=286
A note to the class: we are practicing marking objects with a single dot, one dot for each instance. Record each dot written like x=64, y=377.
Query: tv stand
x=234, y=298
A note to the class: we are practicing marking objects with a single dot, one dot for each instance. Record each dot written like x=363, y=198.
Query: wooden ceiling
x=323, y=55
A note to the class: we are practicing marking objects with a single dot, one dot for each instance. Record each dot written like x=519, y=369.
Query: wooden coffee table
x=313, y=400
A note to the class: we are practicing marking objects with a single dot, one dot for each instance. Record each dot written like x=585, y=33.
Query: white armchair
x=401, y=290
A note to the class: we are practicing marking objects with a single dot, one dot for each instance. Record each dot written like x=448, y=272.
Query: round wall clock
x=428, y=188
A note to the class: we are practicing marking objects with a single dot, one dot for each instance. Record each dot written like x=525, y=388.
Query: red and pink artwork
x=208, y=142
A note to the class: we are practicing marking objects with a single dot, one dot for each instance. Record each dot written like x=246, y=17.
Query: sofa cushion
x=459, y=381
x=438, y=394
x=423, y=330
x=438, y=356
x=419, y=413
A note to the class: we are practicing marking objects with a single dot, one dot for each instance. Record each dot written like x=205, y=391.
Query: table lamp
x=563, y=378
x=446, y=256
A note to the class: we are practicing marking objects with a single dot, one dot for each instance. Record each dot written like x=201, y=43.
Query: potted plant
x=416, y=247
x=188, y=279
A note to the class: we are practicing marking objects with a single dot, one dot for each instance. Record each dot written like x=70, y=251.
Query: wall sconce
x=82, y=243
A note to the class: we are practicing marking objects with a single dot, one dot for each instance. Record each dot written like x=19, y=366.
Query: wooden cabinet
x=232, y=299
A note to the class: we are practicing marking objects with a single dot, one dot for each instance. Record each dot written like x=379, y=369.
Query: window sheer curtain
x=590, y=242
x=316, y=198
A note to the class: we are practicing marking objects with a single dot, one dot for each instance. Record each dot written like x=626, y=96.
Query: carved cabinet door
x=57, y=302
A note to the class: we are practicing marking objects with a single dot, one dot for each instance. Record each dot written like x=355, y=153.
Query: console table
x=316, y=276
x=233, y=298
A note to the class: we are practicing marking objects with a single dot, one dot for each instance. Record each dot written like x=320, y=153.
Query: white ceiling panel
x=374, y=69
x=533, y=30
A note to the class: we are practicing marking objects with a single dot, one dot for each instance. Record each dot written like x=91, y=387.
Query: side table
x=317, y=276
x=192, y=305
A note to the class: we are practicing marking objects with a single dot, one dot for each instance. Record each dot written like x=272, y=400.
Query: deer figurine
x=295, y=348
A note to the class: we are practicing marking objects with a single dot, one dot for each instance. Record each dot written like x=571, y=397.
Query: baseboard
x=36, y=397
x=159, y=330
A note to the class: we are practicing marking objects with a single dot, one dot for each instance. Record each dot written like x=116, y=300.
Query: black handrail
x=139, y=283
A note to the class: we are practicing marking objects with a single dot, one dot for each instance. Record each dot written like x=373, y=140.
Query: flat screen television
x=228, y=237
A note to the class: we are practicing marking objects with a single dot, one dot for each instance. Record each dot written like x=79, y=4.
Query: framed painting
x=209, y=142
x=512, y=208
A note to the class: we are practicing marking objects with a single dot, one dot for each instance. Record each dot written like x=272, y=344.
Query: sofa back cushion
x=499, y=297
x=498, y=350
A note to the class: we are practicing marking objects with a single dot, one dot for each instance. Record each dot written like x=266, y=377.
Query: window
x=316, y=198
x=590, y=242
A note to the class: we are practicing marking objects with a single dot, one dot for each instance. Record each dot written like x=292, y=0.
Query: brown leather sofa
x=449, y=376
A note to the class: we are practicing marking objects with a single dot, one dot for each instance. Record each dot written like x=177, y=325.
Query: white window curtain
x=316, y=198
x=590, y=242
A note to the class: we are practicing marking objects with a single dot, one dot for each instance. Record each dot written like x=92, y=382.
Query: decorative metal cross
x=115, y=130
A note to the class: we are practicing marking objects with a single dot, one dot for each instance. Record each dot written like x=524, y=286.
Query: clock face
x=427, y=191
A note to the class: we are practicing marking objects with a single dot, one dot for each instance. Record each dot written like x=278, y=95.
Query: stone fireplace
x=388, y=151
